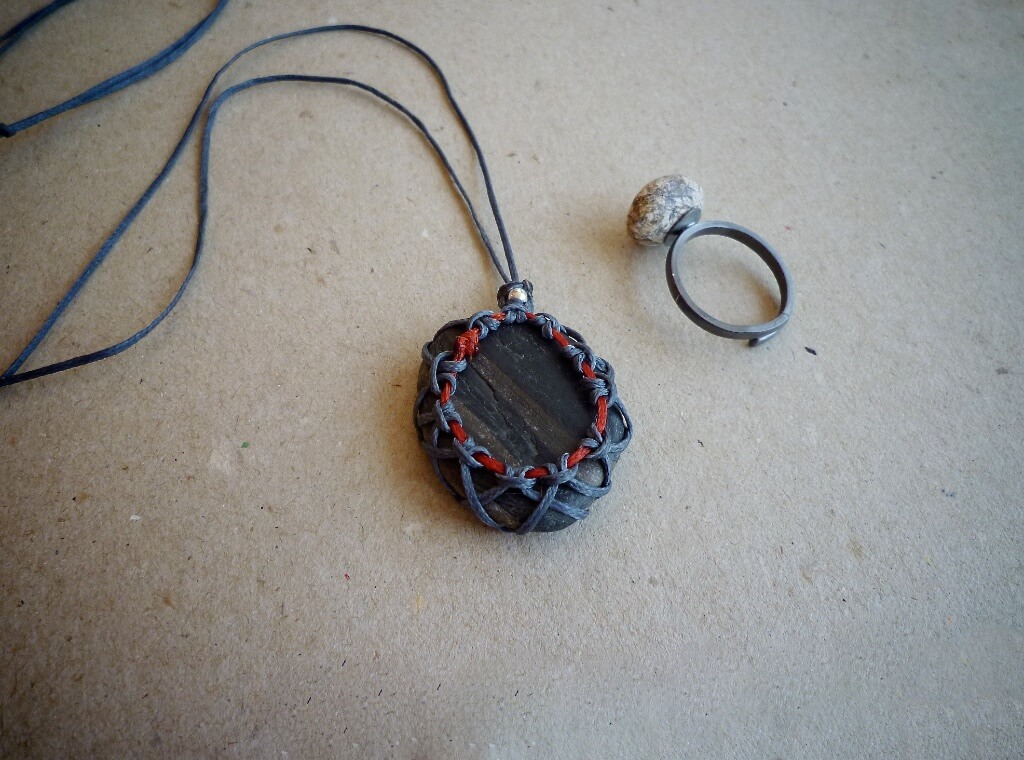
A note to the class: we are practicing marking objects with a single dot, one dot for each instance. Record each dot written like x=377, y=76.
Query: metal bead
x=659, y=205
x=518, y=294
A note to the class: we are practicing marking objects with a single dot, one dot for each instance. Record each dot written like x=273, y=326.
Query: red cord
x=467, y=345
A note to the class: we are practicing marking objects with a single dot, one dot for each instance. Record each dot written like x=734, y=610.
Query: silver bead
x=518, y=294
x=659, y=205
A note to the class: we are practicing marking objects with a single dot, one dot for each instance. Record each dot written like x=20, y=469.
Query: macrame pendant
x=518, y=415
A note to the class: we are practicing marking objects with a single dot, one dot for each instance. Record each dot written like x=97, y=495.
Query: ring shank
x=754, y=333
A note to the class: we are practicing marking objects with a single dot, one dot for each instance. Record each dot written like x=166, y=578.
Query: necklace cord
x=126, y=78
x=11, y=375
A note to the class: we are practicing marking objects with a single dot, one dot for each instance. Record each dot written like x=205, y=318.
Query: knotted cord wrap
x=483, y=479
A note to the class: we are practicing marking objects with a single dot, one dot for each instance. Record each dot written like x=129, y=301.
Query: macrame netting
x=482, y=478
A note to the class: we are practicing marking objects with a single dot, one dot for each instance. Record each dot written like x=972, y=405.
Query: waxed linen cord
x=109, y=86
x=12, y=376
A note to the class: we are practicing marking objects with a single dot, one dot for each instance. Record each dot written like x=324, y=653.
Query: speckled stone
x=659, y=205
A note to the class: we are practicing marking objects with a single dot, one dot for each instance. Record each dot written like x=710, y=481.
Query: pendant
x=521, y=420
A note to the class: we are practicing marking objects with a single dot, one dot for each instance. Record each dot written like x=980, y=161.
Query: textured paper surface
x=225, y=541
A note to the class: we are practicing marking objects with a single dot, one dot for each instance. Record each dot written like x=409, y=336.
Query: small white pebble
x=133, y=518
x=426, y=234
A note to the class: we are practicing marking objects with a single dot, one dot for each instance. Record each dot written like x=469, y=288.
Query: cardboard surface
x=225, y=542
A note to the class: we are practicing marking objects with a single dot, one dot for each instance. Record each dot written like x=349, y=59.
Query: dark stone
x=526, y=403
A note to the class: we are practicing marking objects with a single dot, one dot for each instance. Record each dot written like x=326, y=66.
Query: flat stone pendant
x=521, y=420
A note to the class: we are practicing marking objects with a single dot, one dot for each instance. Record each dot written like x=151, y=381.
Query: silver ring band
x=753, y=333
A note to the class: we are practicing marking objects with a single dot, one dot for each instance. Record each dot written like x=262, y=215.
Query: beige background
x=804, y=556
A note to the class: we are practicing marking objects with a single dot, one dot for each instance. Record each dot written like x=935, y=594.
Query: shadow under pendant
x=521, y=420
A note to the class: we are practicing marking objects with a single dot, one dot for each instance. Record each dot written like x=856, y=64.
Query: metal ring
x=754, y=333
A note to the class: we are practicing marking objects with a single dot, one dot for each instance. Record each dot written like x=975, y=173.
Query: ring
x=754, y=333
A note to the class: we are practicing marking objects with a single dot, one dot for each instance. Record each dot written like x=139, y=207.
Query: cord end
x=6, y=131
